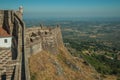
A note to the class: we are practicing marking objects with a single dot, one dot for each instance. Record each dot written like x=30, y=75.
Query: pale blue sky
x=65, y=8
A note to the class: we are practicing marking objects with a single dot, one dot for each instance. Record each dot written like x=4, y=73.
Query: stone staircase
x=5, y=67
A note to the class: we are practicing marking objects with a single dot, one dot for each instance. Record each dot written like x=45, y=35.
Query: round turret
x=21, y=9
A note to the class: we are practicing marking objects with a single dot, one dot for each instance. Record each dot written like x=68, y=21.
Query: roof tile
x=4, y=33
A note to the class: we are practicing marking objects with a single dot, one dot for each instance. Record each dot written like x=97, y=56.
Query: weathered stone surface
x=47, y=39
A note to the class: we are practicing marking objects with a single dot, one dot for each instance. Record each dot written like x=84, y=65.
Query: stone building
x=5, y=39
x=5, y=55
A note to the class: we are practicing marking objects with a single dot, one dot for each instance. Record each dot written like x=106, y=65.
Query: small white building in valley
x=5, y=39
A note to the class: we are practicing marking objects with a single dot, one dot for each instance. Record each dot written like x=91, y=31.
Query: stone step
x=4, y=51
x=5, y=59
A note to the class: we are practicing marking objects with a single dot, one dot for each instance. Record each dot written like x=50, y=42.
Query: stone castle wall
x=11, y=21
x=26, y=42
x=38, y=39
x=33, y=48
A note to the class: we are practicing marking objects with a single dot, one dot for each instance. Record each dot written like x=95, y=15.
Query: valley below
x=91, y=51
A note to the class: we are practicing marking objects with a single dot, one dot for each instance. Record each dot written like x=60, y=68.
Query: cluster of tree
x=103, y=64
x=90, y=45
x=100, y=62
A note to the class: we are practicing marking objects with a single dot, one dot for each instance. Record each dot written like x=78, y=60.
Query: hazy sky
x=65, y=8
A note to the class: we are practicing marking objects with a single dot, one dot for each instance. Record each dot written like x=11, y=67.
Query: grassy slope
x=62, y=66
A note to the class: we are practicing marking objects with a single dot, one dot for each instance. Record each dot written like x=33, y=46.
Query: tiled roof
x=3, y=33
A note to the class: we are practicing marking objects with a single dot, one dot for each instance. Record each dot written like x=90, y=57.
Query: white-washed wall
x=3, y=44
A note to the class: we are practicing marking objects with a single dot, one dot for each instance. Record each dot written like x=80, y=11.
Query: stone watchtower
x=21, y=9
x=19, y=12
